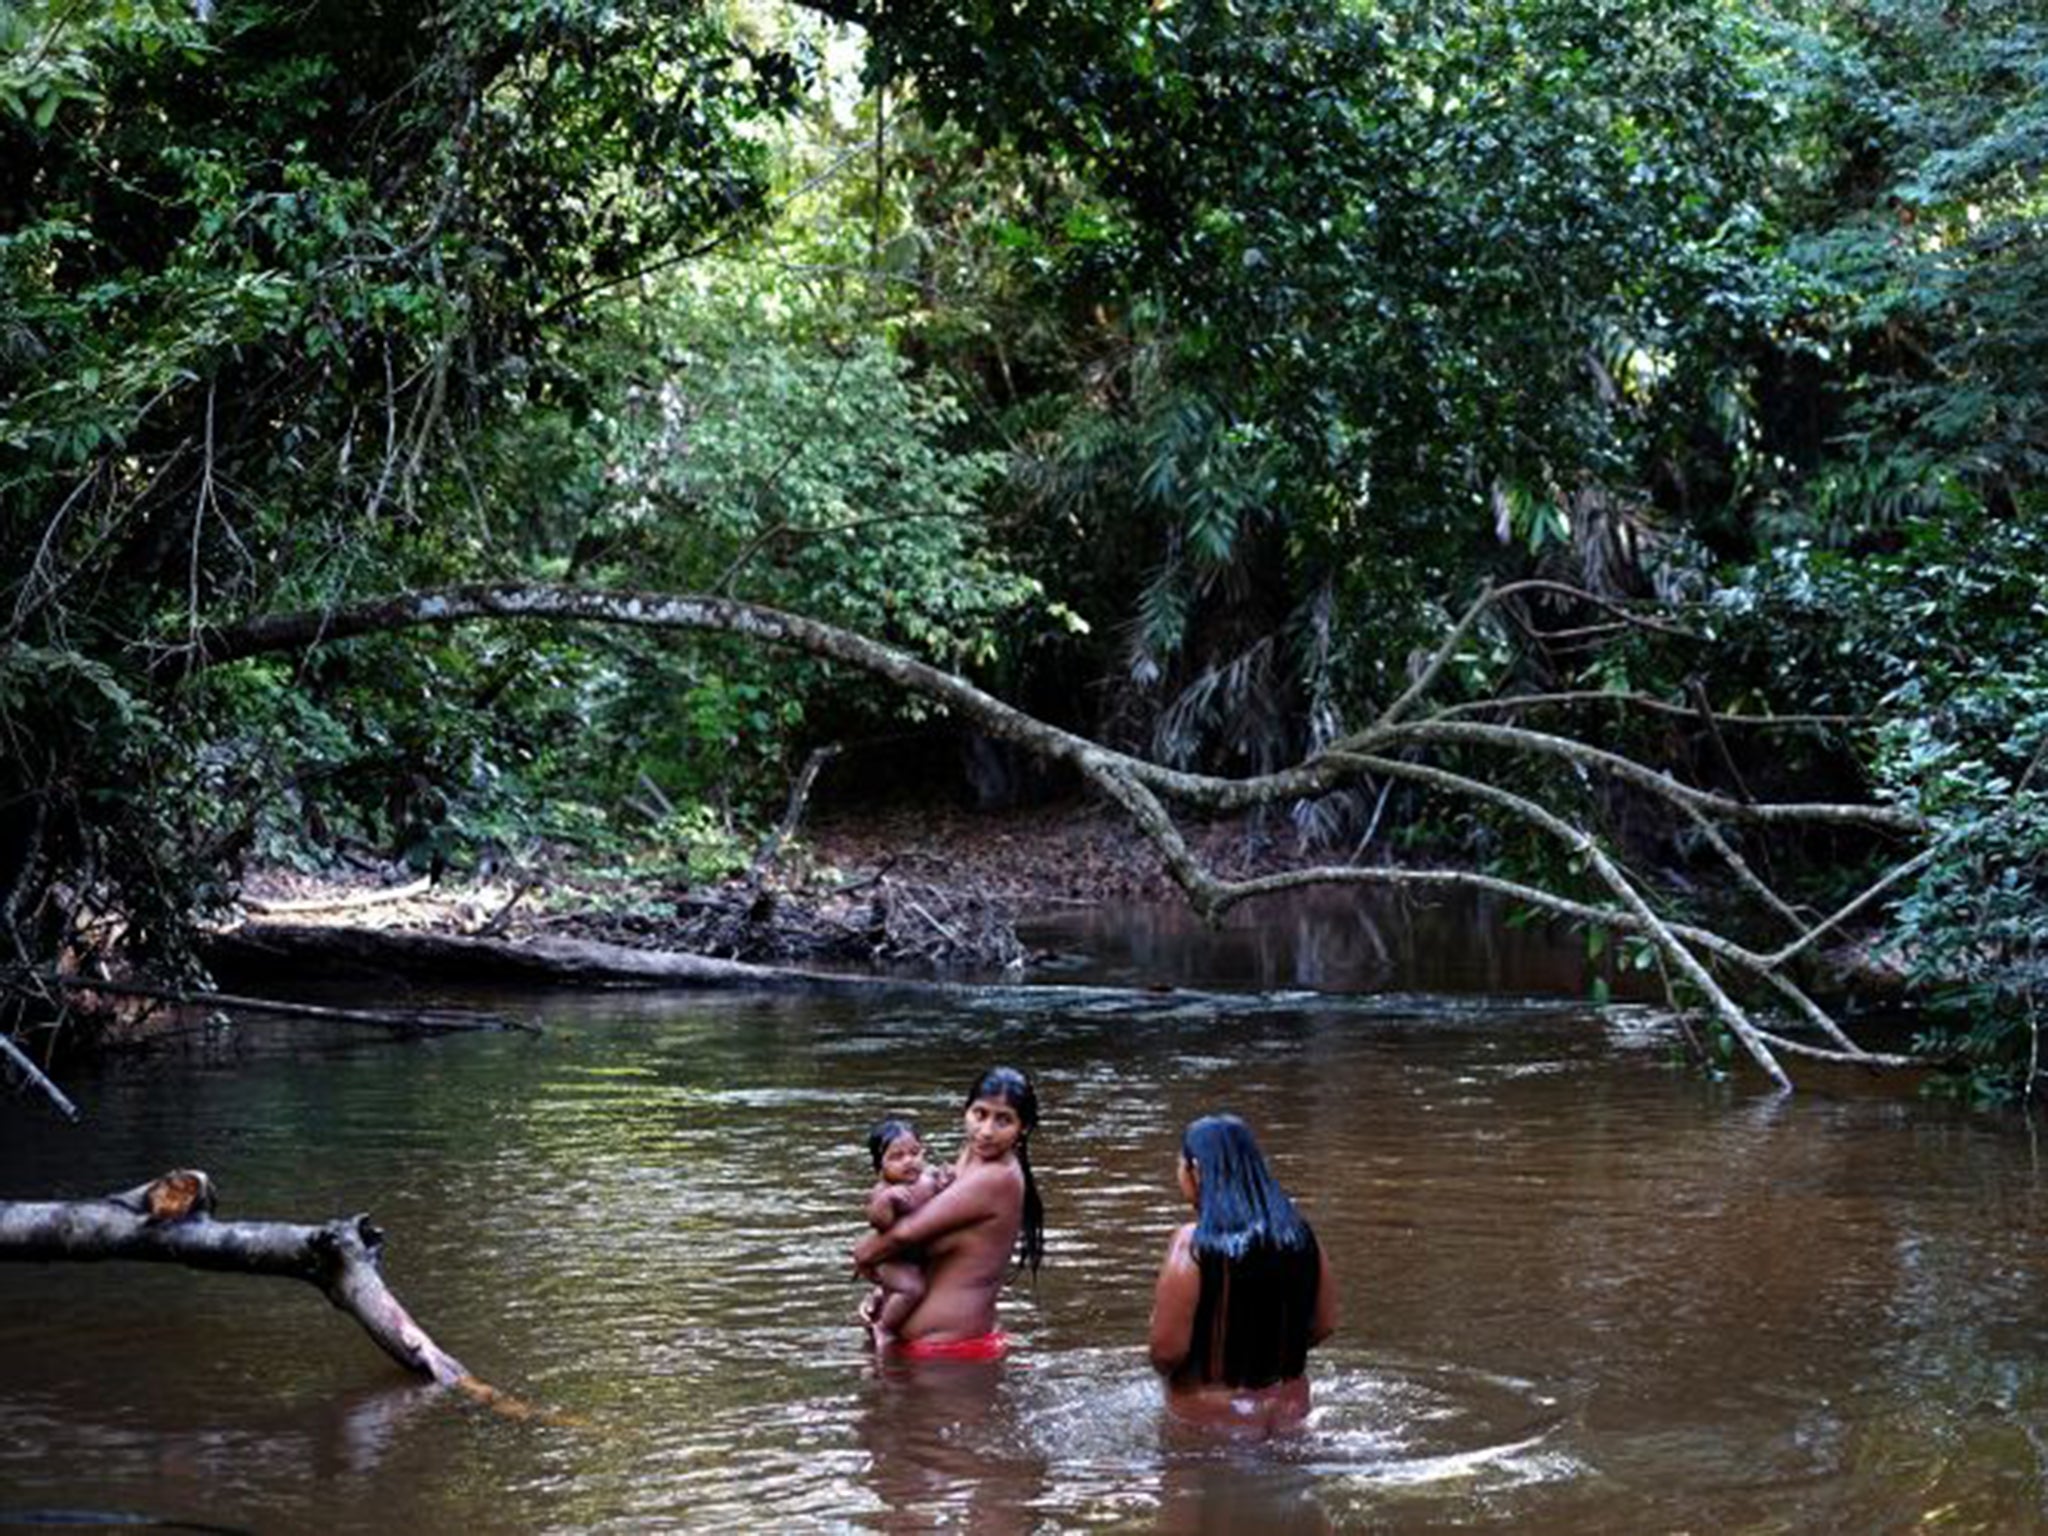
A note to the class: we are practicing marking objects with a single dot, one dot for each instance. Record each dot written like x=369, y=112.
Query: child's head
x=898, y=1154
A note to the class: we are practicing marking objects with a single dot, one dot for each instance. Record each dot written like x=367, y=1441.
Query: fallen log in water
x=170, y=1221
x=299, y=949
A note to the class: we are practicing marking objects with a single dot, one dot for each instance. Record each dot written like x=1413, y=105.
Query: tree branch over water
x=170, y=1221
x=1393, y=747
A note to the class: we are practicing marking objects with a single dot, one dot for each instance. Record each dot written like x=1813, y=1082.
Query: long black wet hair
x=1015, y=1090
x=1260, y=1263
x=887, y=1133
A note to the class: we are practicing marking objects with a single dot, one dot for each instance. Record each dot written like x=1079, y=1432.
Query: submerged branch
x=425, y=1020
x=1582, y=845
x=1853, y=1057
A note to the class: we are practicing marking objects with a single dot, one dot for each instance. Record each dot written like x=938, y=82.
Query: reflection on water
x=1330, y=940
x=1584, y=1291
x=943, y=1443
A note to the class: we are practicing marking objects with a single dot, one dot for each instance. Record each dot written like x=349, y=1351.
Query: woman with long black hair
x=969, y=1230
x=1244, y=1291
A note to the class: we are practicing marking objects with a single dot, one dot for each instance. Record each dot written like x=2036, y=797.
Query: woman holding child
x=965, y=1229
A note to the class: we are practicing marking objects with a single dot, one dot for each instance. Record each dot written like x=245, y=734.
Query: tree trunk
x=170, y=1221
x=258, y=949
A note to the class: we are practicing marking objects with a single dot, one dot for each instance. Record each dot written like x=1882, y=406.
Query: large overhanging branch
x=170, y=1221
x=771, y=626
x=1385, y=748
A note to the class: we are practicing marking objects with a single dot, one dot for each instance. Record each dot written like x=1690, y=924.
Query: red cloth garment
x=987, y=1346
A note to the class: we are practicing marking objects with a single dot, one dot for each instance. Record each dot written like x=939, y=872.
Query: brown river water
x=1586, y=1288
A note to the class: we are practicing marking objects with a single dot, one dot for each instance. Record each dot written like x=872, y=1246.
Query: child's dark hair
x=885, y=1133
x=1014, y=1089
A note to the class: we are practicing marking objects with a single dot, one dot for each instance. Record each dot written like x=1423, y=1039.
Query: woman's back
x=1244, y=1291
x=1255, y=1313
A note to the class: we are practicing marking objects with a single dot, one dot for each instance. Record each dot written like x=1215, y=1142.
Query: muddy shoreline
x=900, y=891
x=937, y=892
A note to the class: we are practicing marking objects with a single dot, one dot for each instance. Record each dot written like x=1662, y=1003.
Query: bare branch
x=352, y=903
x=1869, y=894
x=424, y=1020
x=1747, y=877
x=24, y=603
x=1426, y=679
x=169, y=1221
x=1611, y=875
x=1514, y=703
x=1849, y=1058
x=1661, y=784
x=1491, y=596
x=38, y=1079
x=1623, y=613
x=792, y=814
x=1706, y=715
x=1812, y=1012
x=1232, y=892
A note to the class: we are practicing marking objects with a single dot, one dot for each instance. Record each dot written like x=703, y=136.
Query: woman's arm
x=1174, y=1296
x=1324, y=1323
x=962, y=1203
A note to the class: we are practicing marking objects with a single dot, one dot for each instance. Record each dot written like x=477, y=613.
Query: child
x=906, y=1184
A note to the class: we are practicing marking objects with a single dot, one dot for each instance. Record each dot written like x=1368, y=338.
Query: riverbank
x=940, y=889
x=902, y=890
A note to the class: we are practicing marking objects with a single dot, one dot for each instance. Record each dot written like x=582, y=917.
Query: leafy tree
x=1391, y=285
x=268, y=273
x=1242, y=342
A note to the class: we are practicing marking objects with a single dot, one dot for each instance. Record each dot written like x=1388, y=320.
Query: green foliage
x=271, y=280
x=277, y=265
x=818, y=477
x=1939, y=642
x=1197, y=359
x=699, y=843
x=1382, y=299
x=1918, y=234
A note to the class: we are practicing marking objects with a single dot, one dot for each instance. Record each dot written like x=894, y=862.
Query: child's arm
x=963, y=1203
x=885, y=1204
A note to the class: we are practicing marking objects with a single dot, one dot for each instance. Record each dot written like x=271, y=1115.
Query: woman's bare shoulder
x=990, y=1178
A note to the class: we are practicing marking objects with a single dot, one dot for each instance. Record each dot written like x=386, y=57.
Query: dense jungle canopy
x=1181, y=371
